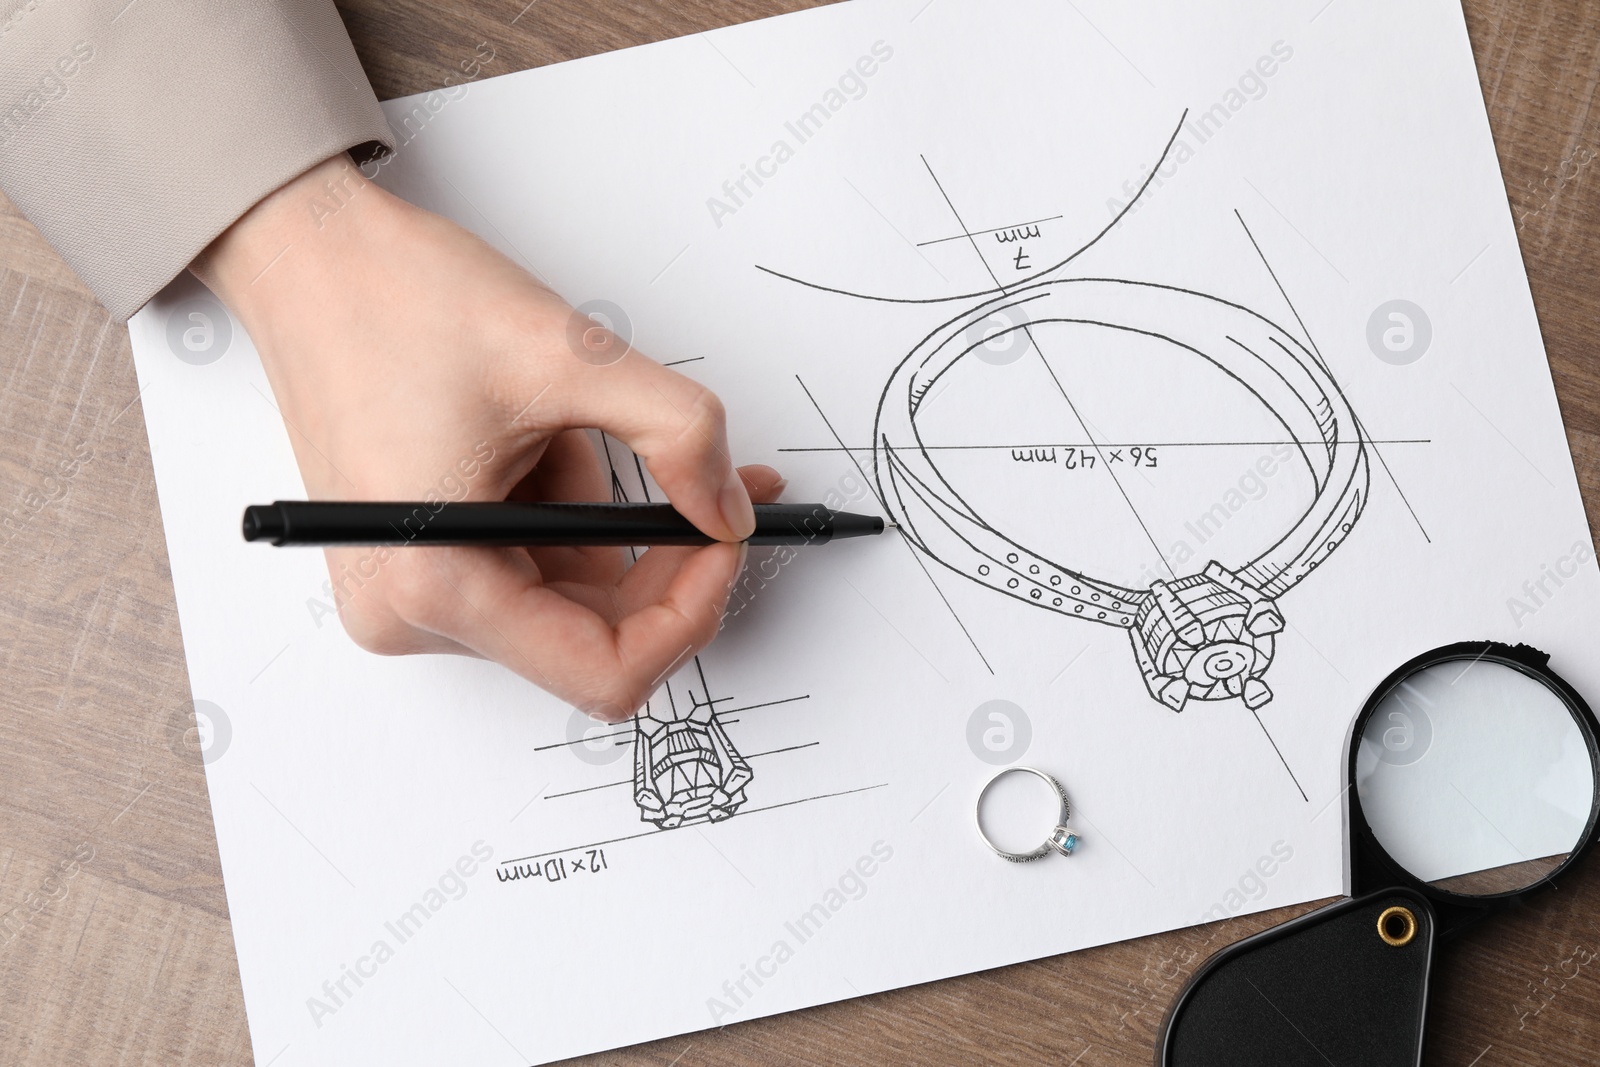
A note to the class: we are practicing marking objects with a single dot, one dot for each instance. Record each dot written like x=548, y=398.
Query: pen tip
x=890, y=525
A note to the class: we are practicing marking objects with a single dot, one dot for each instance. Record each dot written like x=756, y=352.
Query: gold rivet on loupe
x=1406, y=920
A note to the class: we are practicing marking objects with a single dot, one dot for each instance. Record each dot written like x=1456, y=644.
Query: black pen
x=315, y=522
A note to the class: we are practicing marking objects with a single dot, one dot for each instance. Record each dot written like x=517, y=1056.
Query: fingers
x=570, y=469
x=664, y=635
x=360, y=593
x=677, y=426
x=496, y=604
x=647, y=580
x=764, y=484
x=601, y=637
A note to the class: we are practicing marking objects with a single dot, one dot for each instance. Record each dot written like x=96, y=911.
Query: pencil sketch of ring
x=1062, y=840
x=1202, y=634
x=1206, y=636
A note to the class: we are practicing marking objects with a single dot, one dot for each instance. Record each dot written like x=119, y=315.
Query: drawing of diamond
x=685, y=769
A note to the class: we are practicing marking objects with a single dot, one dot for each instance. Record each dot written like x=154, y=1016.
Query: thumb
x=676, y=425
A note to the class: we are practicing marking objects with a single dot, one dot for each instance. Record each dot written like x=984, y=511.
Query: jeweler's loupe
x=1474, y=775
x=1471, y=785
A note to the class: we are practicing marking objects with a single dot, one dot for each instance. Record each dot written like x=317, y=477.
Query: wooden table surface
x=114, y=936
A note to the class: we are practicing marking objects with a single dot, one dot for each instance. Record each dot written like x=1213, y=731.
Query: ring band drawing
x=1207, y=636
x=1062, y=840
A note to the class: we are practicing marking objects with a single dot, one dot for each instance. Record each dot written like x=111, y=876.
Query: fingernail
x=605, y=711
x=777, y=490
x=737, y=511
x=728, y=610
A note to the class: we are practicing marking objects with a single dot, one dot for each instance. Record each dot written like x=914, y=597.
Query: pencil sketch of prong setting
x=1208, y=636
x=684, y=767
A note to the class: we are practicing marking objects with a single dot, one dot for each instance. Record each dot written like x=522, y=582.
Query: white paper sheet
x=368, y=810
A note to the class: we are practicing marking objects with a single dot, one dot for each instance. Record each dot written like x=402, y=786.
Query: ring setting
x=1063, y=839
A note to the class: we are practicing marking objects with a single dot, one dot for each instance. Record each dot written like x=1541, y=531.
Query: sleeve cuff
x=132, y=139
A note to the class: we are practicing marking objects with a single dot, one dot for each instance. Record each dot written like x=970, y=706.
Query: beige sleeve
x=133, y=132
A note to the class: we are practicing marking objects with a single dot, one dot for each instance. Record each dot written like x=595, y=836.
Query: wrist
x=304, y=228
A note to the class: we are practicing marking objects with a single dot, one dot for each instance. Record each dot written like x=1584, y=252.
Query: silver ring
x=1063, y=839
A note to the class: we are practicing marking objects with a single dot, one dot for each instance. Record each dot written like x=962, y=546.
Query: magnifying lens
x=1472, y=784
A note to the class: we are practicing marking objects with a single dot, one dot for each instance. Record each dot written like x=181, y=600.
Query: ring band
x=1206, y=636
x=1063, y=839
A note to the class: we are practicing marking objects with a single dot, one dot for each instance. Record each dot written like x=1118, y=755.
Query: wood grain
x=116, y=946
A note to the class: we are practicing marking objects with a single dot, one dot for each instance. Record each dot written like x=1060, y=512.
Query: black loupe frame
x=1372, y=869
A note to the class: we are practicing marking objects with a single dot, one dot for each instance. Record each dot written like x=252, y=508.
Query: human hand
x=411, y=360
